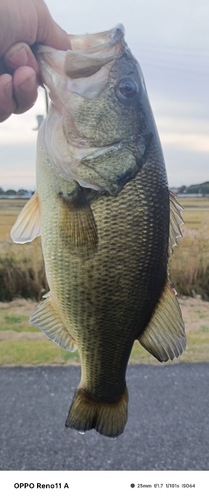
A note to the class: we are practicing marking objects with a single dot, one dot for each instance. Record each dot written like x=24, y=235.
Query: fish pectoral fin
x=49, y=321
x=28, y=224
x=78, y=227
x=164, y=336
x=176, y=221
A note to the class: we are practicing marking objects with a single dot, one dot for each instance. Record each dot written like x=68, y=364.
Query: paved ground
x=167, y=429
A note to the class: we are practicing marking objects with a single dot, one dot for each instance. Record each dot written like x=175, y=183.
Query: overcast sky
x=170, y=39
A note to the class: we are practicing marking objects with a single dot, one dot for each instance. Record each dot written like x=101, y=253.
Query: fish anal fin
x=164, y=336
x=176, y=221
x=47, y=318
x=78, y=227
x=28, y=224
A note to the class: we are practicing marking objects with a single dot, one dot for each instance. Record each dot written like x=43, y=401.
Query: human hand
x=23, y=23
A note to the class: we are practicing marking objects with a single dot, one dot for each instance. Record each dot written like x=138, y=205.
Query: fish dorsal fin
x=28, y=224
x=175, y=222
x=77, y=226
x=47, y=318
x=164, y=337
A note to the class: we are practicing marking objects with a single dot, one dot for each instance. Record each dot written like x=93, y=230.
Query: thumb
x=56, y=37
x=49, y=32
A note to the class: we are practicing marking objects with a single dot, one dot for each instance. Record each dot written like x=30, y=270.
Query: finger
x=49, y=32
x=56, y=37
x=7, y=101
x=19, y=55
x=25, y=88
x=3, y=68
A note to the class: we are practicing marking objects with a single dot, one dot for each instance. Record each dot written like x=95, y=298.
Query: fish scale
x=107, y=295
x=108, y=224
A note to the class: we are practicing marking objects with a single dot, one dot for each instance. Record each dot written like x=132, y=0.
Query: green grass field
x=23, y=344
x=21, y=268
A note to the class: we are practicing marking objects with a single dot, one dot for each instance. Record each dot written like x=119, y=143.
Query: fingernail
x=8, y=90
x=28, y=84
x=19, y=54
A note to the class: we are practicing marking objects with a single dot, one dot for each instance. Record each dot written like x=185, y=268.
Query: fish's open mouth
x=96, y=40
x=89, y=53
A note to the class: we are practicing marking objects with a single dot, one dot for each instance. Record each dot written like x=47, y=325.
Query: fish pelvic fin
x=109, y=419
x=78, y=227
x=28, y=224
x=47, y=318
x=164, y=337
x=176, y=222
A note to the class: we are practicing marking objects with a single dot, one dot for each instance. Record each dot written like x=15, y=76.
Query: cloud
x=174, y=23
x=185, y=169
x=188, y=142
x=191, y=135
x=17, y=169
x=170, y=41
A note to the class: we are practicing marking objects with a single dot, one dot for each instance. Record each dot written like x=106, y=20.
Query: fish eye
x=126, y=89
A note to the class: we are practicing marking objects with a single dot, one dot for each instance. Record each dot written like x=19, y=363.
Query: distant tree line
x=12, y=192
x=201, y=189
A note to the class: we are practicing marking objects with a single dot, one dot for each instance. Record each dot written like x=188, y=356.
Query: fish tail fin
x=109, y=419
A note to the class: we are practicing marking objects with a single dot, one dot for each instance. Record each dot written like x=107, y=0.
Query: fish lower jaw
x=109, y=419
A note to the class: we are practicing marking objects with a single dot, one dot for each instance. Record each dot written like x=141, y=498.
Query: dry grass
x=22, y=269
x=9, y=210
x=189, y=264
x=22, y=275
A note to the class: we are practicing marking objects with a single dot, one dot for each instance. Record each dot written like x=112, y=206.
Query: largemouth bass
x=107, y=223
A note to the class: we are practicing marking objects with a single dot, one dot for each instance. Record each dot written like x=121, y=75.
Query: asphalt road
x=167, y=429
